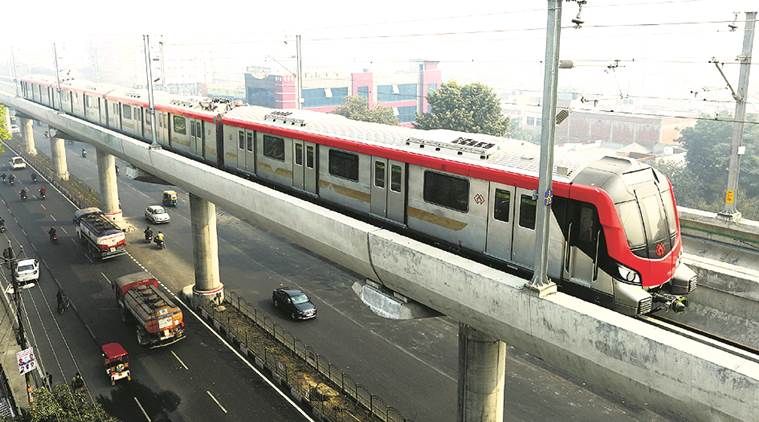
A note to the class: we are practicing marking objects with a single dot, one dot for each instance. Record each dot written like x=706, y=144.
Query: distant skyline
x=663, y=46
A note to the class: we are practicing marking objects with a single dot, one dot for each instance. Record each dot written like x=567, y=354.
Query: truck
x=159, y=322
x=101, y=236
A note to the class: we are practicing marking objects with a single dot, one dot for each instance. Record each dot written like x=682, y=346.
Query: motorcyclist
x=160, y=238
x=3, y=177
x=22, y=193
x=77, y=383
x=34, y=177
x=2, y=224
x=11, y=178
x=52, y=233
x=148, y=234
x=43, y=191
x=84, y=153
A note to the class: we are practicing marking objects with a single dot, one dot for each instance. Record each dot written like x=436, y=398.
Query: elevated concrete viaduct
x=615, y=353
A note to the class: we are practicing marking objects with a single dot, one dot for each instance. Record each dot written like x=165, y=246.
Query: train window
x=343, y=164
x=446, y=191
x=250, y=141
x=180, y=125
x=274, y=147
x=298, y=154
x=379, y=174
x=241, y=139
x=309, y=156
x=126, y=111
x=527, y=209
x=396, y=174
x=147, y=118
x=502, y=204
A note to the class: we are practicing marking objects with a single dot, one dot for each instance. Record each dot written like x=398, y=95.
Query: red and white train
x=615, y=232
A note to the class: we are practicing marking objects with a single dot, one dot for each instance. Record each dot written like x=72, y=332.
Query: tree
x=473, y=108
x=61, y=404
x=356, y=108
x=5, y=132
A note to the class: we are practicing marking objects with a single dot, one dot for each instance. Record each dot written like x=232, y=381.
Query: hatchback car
x=156, y=214
x=28, y=272
x=294, y=303
x=17, y=163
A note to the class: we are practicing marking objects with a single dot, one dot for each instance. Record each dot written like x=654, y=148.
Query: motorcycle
x=11, y=180
x=34, y=178
x=54, y=237
x=148, y=237
x=84, y=153
x=2, y=228
x=160, y=243
x=23, y=196
x=43, y=195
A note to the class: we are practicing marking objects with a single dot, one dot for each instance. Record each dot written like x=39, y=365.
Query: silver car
x=156, y=214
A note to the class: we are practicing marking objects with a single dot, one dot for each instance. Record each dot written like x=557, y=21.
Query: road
x=412, y=365
x=198, y=378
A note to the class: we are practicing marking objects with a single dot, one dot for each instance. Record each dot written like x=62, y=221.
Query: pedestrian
x=50, y=380
x=117, y=170
x=61, y=298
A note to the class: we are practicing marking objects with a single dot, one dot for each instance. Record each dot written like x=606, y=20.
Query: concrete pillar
x=109, y=189
x=58, y=152
x=482, y=373
x=205, y=251
x=26, y=128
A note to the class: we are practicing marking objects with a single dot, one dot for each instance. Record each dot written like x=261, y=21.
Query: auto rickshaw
x=116, y=361
x=169, y=198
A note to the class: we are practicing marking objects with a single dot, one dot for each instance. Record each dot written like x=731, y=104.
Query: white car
x=156, y=214
x=28, y=272
x=17, y=163
x=15, y=129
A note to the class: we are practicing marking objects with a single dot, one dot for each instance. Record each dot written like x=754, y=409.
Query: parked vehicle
x=102, y=237
x=17, y=163
x=293, y=303
x=158, y=321
x=28, y=272
x=156, y=214
x=116, y=362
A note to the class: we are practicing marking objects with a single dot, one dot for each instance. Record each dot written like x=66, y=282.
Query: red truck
x=158, y=320
x=103, y=238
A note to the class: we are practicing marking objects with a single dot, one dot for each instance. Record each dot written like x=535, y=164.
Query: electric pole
x=540, y=281
x=730, y=210
x=151, y=101
x=299, y=71
x=58, y=78
x=15, y=76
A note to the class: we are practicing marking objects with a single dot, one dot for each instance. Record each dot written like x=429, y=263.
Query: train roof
x=484, y=150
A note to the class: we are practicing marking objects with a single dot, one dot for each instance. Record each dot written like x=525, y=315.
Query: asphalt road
x=412, y=365
x=197, y=379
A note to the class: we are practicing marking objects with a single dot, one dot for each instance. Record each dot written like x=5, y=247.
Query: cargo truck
x=102, y=237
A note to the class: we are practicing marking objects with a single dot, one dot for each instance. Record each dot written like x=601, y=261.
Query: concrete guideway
x=620, y=354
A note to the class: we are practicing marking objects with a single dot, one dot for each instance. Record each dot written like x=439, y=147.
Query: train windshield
x=649, y=221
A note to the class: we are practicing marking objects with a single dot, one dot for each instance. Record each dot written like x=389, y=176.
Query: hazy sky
x=664, y=45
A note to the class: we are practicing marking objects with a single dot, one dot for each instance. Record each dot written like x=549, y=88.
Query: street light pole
x=540, y=281
x=58, y=78
x=151, y=101
x=299, y=71
x=15, y=75
x=730, y=210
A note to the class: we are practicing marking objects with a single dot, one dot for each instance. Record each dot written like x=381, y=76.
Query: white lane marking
x=86, y=255
x=181, y=363
x=216, y=401
x=53, y=217
x=43, y=207
x=143, y=409
x=109, y=281
x=64, y=230
x=73, y=241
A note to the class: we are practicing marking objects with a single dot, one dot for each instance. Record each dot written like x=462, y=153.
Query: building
x=325, y=91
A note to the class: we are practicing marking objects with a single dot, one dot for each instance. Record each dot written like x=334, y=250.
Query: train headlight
x=628, y=276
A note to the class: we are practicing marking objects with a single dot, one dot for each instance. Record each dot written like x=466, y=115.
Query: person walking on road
x=49, y=380
x=63, y=301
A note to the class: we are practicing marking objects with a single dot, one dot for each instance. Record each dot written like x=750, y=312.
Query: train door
x=298, y=164
x=581, y=246
x=388, y=189
x=196, y=137
x=500, y=221
x=310, y=171
x=250, y=151
x=523, y=243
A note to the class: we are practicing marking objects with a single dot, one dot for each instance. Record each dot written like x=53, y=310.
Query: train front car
x=642, y=235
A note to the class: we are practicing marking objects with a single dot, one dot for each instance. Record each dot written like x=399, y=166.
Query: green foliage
x=473, y=108
x=701, y=183
x=61, y=404
x=5, y=132
x=356, y=108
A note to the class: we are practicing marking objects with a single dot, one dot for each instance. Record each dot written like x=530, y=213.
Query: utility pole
x=161, y=51
x=730, y=210
x=299, y=71
x=58, y=78
x=15, y=75
x=10, y=259
x=540, y=281
x=151, y=101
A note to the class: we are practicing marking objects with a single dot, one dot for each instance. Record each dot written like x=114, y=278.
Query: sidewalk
x=8, y=349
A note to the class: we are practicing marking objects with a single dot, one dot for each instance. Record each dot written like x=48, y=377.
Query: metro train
x=614, y=229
